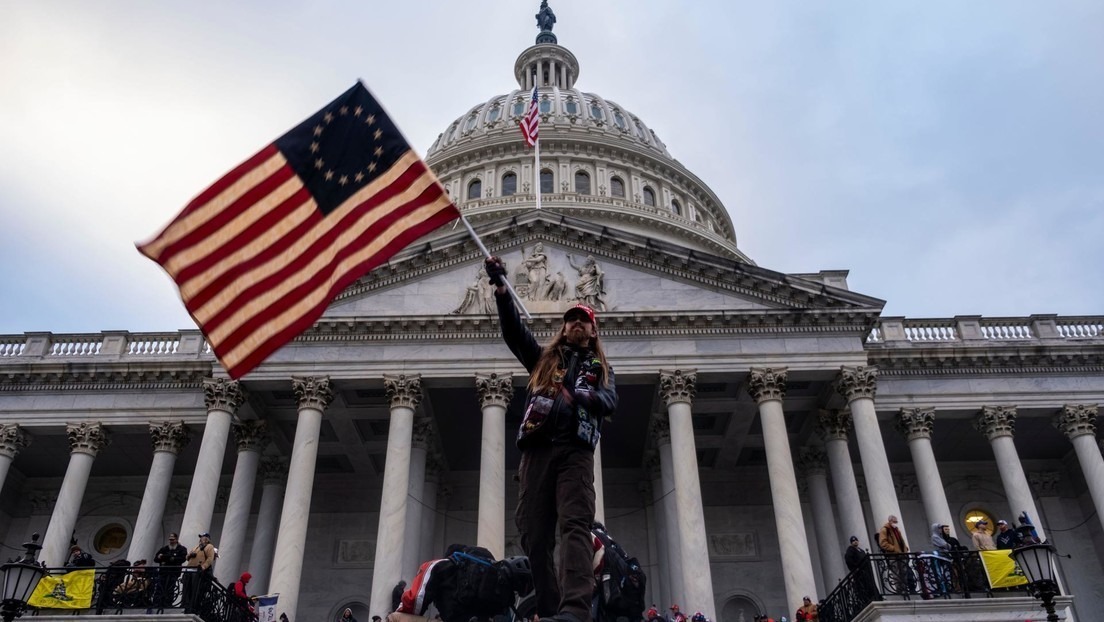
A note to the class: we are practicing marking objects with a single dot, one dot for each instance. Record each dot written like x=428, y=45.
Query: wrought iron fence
x=156, y=590
x=907, y=576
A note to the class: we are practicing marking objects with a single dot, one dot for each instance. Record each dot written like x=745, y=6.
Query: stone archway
x=740, y=608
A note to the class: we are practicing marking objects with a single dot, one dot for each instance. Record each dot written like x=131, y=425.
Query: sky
x=949, y=154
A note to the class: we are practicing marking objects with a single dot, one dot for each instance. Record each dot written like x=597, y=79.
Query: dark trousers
x=557, y=486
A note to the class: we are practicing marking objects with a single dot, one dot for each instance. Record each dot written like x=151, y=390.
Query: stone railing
x=113, y=345
x=899, y=331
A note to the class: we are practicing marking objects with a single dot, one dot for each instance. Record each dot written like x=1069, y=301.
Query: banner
x=72, y=590
x=266, y=607
x=1002, y=569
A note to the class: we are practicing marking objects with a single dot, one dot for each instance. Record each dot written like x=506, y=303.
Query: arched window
x=676, y=207
x=475, y=189
x=492, y=114
x=617, y=187
x=582, y=183
x=546, y=181
x=519, y=108
x=571, y=106
x=509, y=184
x=545, y=106
x=649, y=197
x=596, y=111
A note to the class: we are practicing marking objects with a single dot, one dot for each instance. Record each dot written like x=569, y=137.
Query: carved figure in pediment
x=536, y=272
x=479, y=296
x=557, y=287
x=591, y=286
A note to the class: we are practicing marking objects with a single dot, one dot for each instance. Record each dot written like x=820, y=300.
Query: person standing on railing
x=981, y=538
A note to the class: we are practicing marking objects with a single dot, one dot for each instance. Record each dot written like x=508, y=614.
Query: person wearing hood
x=240, y=596
x=347, y=616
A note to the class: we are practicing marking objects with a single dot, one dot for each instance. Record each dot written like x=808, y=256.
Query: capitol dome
x=598, y=160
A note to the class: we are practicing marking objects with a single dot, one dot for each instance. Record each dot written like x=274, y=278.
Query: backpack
x=623, y=580
x=480, y=586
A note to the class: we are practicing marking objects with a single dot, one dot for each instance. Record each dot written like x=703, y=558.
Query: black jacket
x=854, y=557
x=171, y=555
x=549, y=417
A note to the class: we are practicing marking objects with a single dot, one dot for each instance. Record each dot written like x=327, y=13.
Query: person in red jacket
x=240, y=597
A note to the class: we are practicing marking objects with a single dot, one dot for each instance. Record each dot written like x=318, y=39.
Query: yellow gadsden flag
x=1002, y=569
x=72, y=590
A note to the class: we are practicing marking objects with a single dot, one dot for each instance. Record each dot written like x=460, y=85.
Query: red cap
x=585, y=310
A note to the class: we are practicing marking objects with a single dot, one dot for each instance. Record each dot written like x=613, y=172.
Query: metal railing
x=908, y=576
x=156, y=590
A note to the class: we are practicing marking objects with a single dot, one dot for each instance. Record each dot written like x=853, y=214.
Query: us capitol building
x=764, y=417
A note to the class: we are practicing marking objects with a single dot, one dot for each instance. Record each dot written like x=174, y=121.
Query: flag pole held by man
x=260, y=254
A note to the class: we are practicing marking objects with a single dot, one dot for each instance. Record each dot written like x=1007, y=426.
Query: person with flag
x=571, y=391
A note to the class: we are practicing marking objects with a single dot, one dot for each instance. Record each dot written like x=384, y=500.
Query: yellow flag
x=72, y=590
x=1002, y=569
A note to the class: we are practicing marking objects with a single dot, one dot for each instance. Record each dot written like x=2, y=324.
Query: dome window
x=475, y=190
x=546, y=181
x=617, y=187
x=582, y=183
x=545, y=106
x=572, y=107
x=596, y=111
x=619, y=119
x=493, y=114
x=470, y=124
x=519, y=108
x=509, y=184
x=676, y=207
x=640, y=129
x=649, y=197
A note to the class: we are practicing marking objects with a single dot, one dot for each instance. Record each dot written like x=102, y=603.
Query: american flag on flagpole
x=530, y=123
x=260, y=254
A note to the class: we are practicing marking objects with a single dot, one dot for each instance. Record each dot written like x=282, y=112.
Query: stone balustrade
x=904, y=332
x=184, y=344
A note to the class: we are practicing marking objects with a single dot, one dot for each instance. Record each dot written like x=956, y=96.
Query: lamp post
x=20, y=577
x=1036, y=561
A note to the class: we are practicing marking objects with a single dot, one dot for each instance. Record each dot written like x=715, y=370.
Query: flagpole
x=536, y=157
x=487, y=254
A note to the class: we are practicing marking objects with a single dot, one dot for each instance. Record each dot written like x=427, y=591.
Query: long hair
x=542, y=380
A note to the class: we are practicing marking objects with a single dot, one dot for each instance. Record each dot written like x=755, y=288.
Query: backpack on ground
x=622, y=586
x=468, y=582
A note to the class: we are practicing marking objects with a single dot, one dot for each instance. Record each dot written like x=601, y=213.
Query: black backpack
x=623, y=580
x=480, y=586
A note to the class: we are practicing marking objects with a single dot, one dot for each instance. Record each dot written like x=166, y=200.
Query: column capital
x=996, y=421
x=915, y=423
x=251, y=435
x=812, y=459
x=833, y=424
x=403, y=391
x=274, y=470
x=87, y=437
x=1076, y=420
x=13, y=439
x=660, y=428
x=422, y=432
x=312, y=391
x=767, y=383
x=857, y=382
x=678, y=386
x=222, y=394
x=169, y=436
x=494, y=389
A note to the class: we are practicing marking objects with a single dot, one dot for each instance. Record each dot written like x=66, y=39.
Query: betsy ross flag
x=260, y=254
x=530, y=123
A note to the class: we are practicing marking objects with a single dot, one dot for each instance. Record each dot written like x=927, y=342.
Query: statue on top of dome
x=546, y=18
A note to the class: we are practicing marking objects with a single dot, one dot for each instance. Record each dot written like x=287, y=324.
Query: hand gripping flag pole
x=487, y=254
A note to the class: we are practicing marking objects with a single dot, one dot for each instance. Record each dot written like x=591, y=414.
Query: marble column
x=661, y=586
x=661, y=431
x=814, y=464
x=833, y=426
x=599, y=486
x=676, y=388
x=494, y=391
x=13, y=439
x=429, y=512
x=916, y=424
x=223, y=398
x=252, y=437
x=313, y=394
x=404, y=393
x=767, y=386
x=85, y=442
x=168, y=438
x=858, y=385
x=1078, y=422
x=998, y=424
x=412, y=546
x=273, y=480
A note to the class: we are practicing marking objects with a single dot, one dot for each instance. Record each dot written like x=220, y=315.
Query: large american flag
x=260, y=254
x=530, y=123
